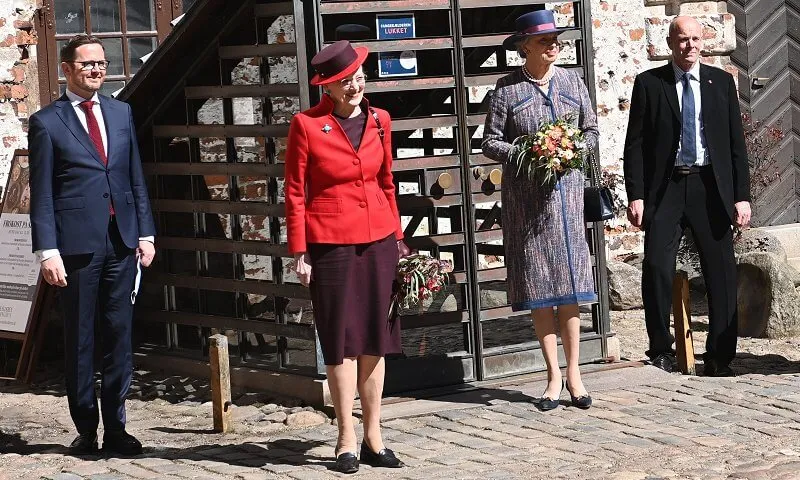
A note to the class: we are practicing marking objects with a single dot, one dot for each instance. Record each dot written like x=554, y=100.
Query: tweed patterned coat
x=547, y=255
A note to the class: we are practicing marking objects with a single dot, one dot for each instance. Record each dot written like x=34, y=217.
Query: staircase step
x=789, y=236
x=265, y=50
x=273, y=9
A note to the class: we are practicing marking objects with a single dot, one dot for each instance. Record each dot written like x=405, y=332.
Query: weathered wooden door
x=768, y=59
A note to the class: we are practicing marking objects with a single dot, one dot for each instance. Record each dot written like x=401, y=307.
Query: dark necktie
x=95, y=136
x=688, y=130
x=94, y=130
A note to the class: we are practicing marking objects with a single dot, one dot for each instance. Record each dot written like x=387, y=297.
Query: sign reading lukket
x=19, y=269
x=395, y=27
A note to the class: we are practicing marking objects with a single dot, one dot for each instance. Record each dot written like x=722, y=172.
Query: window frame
x=48, y=53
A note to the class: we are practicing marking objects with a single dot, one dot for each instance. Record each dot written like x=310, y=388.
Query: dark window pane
x=105, y=16
x=70, y=17
x=110, y=87
x=137, y=48
x=59, y=45
x=140, y=15
x=113, y=48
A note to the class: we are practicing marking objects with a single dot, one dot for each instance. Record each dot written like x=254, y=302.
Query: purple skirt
x=351, y=288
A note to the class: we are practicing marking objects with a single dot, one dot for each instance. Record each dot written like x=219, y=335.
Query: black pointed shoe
x=346, y=463
x=546, y=403
x=84, y=444
x=582, y=401
x=122, y=443
x=384, y=458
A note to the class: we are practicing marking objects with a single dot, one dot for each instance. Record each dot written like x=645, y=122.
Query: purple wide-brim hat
x=337, y=61
x=539, y=22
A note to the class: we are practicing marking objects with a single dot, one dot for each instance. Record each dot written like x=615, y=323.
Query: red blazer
x=333, y=193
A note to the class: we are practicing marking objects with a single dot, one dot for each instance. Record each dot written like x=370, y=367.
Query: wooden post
x=220, y=382
x=682, y=316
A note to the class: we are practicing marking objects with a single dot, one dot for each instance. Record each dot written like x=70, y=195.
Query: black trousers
x=691, y=201
x=98, y=295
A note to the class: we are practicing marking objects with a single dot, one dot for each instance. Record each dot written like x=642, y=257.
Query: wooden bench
x=682, y=318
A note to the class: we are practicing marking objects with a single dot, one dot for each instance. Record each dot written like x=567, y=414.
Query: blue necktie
x=688, y=130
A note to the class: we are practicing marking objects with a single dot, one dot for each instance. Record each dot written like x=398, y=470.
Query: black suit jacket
x=654, y=129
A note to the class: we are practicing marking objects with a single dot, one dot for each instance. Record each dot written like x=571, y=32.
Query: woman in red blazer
x=344, y=231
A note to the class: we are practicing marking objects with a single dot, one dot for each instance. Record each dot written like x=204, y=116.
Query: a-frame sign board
x=22, y=292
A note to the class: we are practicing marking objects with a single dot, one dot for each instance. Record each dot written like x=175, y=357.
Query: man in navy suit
x=91, y=222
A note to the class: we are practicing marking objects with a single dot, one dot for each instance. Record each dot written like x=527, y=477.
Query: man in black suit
x=686, y=166
x=91, y=224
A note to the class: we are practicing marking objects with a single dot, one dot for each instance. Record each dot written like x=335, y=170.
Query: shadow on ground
x=247, y=454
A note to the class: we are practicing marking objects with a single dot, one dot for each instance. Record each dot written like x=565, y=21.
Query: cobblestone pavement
x=645, y=424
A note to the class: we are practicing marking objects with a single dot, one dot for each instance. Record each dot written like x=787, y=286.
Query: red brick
x=10, y=141
x=636, y=34
x=19, y=74
x=5, y=92
x=8, y=42
x=20, y=24
x=19, y=91
x=26, y=38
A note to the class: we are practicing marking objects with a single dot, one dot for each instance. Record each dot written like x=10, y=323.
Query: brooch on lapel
x=326, y=128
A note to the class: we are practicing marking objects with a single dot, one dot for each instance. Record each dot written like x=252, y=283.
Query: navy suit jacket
x=71, y=188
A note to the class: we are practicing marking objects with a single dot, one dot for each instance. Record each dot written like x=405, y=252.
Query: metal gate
x=217, y=140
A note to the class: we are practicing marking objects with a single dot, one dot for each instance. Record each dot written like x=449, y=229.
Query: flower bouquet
x=419, y=276
x=555, y=149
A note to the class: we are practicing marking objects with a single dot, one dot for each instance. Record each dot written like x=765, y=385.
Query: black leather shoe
x=664, y=362
x=384, y=458
x=122, y=443
x=583, y=401
x=346, y=463
x=84, y=444
x=713, y=369
x=546, y=403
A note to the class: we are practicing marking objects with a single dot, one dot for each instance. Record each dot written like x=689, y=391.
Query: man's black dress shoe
x=346, y=463
x=122, y=443
x=583, y=401
x=84, y=444
x=712, y=369
x=664, y=362
x=384, y=458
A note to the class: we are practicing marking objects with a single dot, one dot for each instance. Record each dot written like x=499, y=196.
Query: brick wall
x=19, y=93
x=629, y=36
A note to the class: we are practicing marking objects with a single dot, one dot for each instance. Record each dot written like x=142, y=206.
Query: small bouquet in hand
x=419, y=276
x=555, y=149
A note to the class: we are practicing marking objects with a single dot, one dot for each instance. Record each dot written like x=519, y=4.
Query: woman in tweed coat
x=547, y=255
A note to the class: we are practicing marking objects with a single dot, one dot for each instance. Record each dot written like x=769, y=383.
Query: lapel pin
x=326, y=128
x=709, y=81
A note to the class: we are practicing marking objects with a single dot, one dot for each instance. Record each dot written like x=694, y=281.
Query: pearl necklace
x=539, y=81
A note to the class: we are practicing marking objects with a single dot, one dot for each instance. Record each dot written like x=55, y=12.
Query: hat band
x=539, y=28
x=337, y=64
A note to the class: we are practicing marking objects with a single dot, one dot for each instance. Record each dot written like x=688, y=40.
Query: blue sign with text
x=396, y=27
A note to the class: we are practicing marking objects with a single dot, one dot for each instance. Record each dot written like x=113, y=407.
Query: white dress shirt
x=694, y=82
x=76, y=100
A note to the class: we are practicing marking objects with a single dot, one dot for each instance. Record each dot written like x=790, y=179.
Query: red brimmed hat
x=337, y=61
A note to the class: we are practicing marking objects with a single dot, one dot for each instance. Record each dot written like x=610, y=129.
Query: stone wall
x=19, y=84
x=629, y=36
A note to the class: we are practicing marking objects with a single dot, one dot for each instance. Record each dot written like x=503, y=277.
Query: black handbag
x=598, y=202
